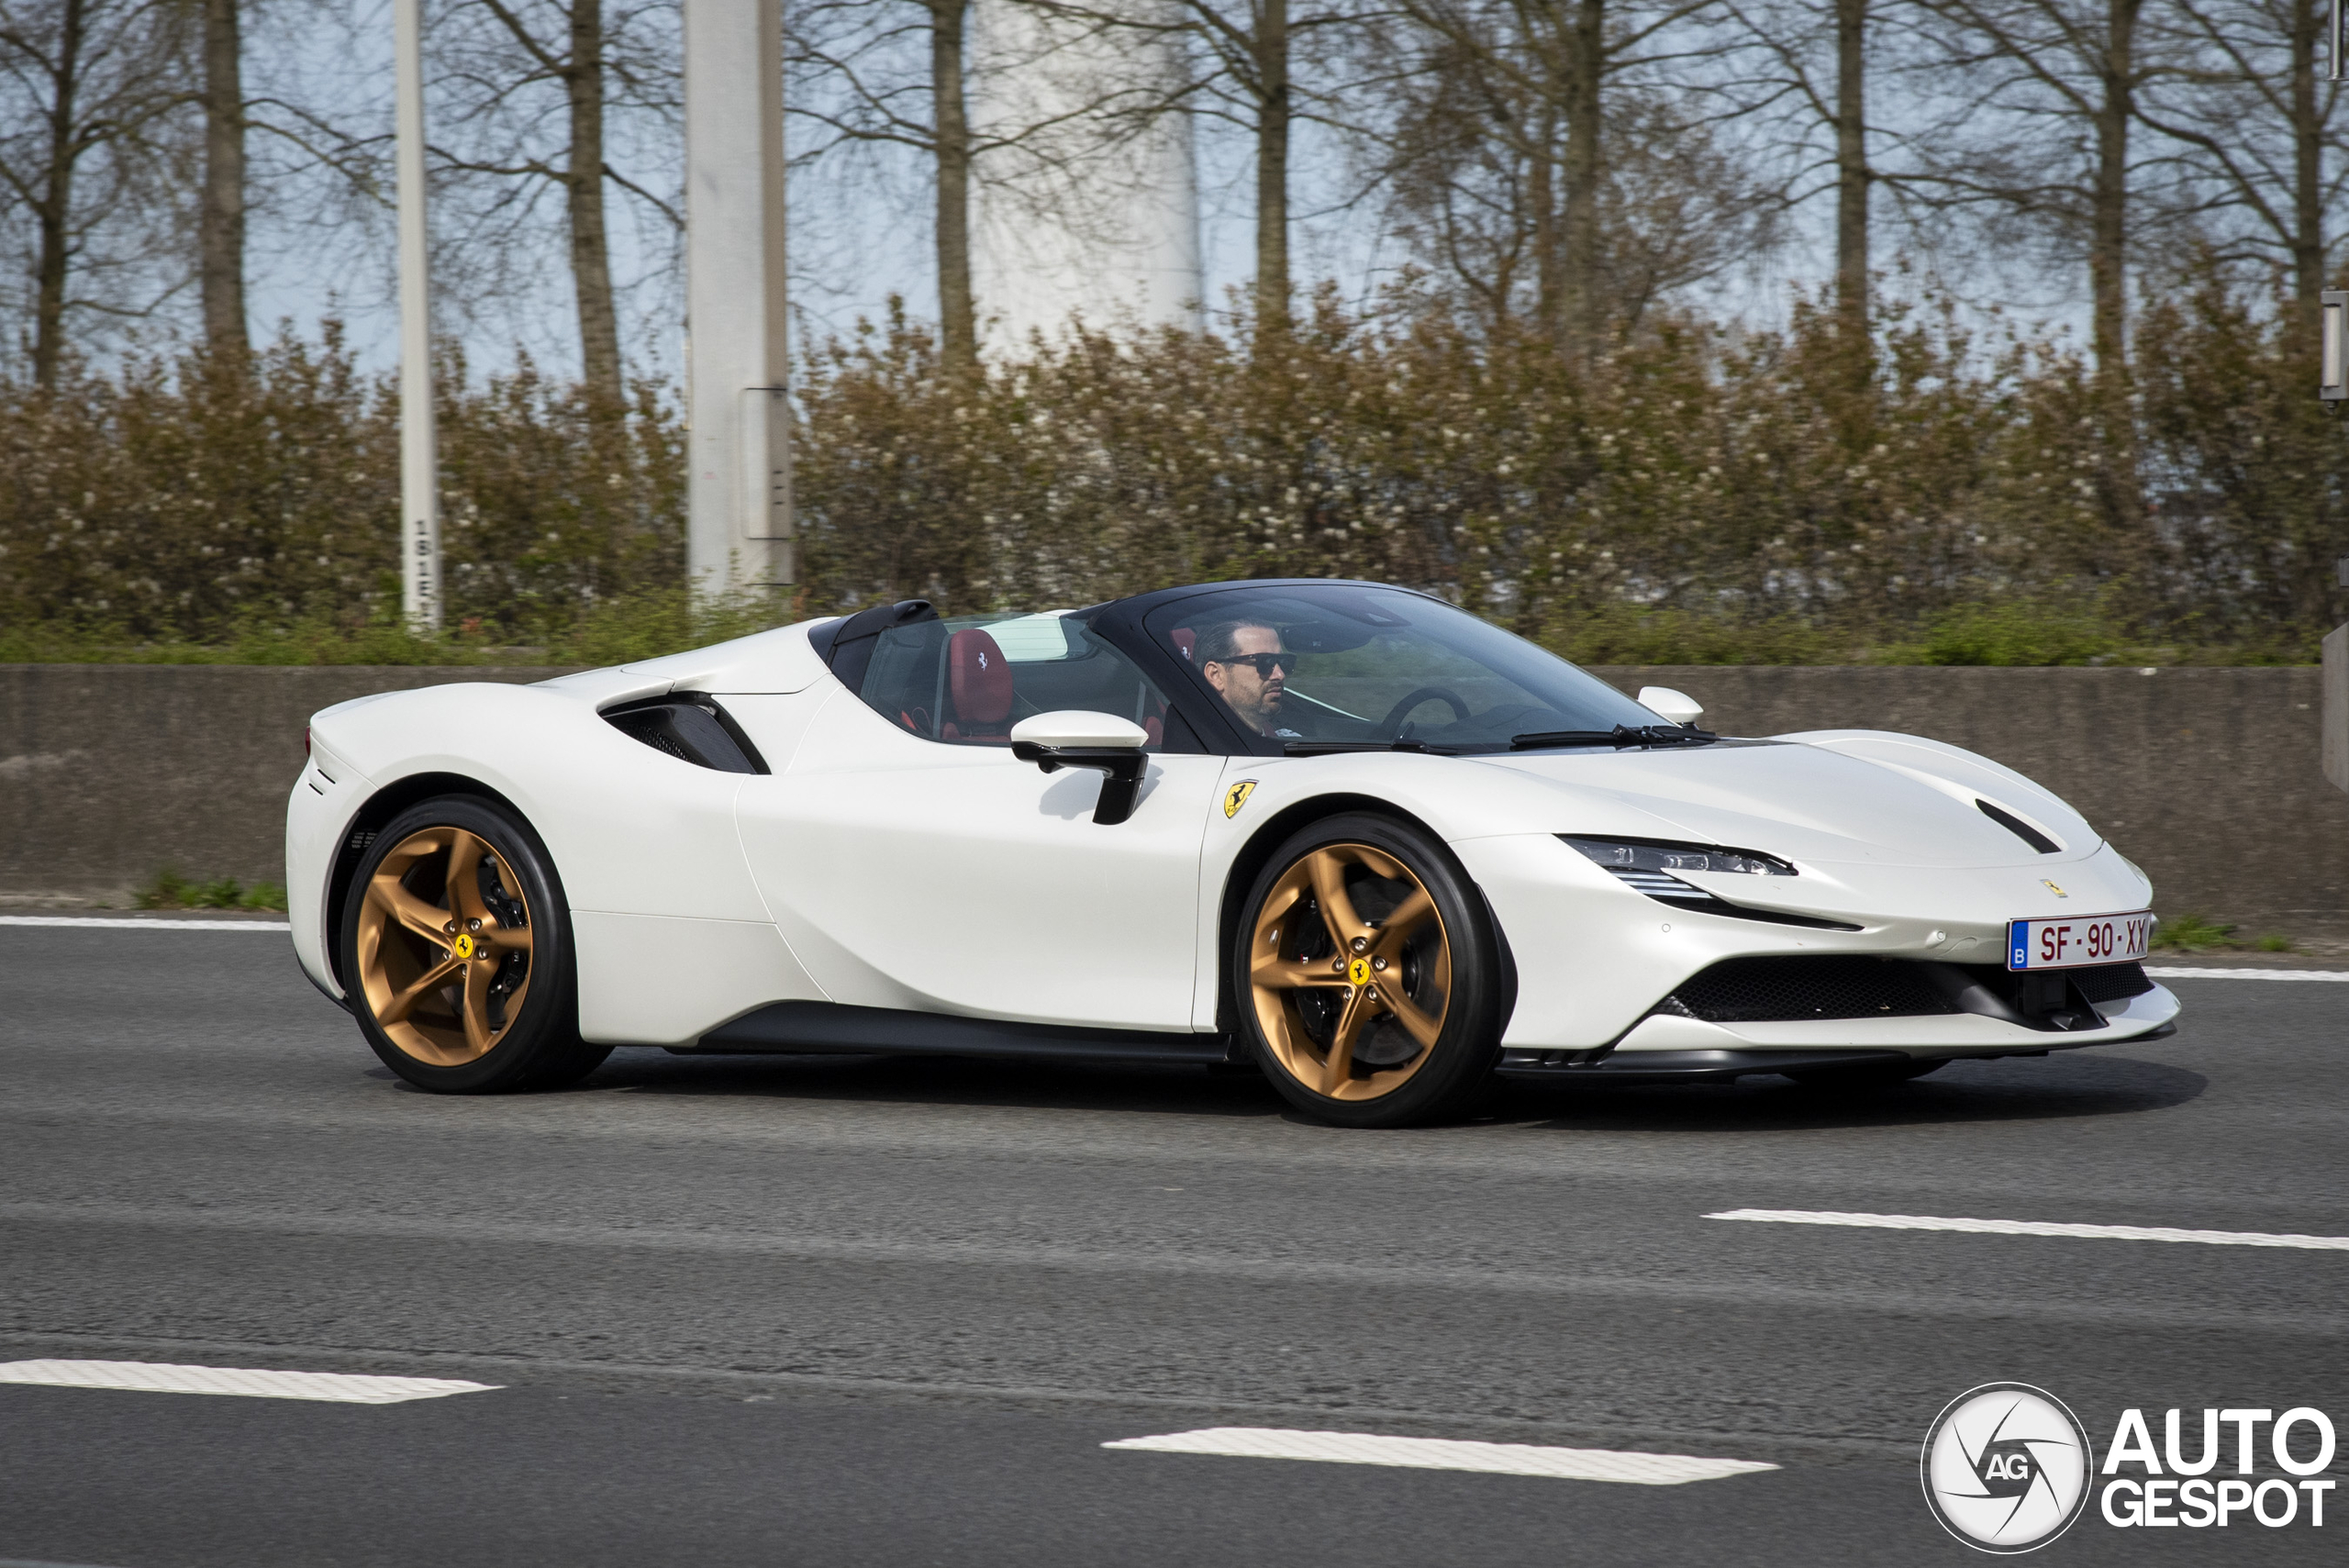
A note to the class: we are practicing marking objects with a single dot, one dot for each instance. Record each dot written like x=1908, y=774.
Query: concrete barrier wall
x=109, y=773
x=2209, y=779
x=2213, y=779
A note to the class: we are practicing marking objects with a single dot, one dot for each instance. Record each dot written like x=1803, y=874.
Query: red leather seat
x=1185, y=640
x=978, y=688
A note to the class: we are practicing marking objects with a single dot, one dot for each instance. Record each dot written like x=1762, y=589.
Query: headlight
x=1620, y=855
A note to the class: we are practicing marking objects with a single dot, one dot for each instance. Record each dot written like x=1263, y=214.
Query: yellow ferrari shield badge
x=463, y=945
x=2052, y=888
x=1359, y=972
x=1237, y=796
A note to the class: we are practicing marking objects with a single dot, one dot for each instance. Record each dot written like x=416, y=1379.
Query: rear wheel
x=456, y=953
x=1365, y=975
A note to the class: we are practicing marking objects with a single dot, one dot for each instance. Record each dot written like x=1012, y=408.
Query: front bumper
x=1665, y=1046
x=1594, y=959
x=1719, y=1066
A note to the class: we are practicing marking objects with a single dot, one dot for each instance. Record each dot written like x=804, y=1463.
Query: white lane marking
x=145, y=925
x=2036, y=1228
x=1445, y=1453
x=2170, y=973
x=344, y=1388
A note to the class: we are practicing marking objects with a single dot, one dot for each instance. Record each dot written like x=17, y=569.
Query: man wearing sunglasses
x=1243, y=662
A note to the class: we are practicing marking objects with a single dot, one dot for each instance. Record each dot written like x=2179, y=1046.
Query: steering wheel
x=1402, y=710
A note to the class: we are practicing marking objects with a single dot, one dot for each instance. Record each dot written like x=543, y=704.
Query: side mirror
x=1071, y=738
x=1678, y=708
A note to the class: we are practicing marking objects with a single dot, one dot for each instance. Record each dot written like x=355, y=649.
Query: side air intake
x=691, y=727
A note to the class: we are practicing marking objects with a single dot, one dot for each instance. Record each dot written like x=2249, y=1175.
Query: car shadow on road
x=945, y=1080
x=2030, y=1089
x=2073, y=1083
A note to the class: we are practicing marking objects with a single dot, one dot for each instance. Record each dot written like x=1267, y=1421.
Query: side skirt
x=801, y=1027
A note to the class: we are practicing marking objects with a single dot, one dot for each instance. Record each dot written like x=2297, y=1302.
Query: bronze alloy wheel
x=443, y=945
x=1350, y=969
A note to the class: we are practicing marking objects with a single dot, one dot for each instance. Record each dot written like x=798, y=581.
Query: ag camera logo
x=2006, y=1467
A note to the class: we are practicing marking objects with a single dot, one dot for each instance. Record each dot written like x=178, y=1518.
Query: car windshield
x=1347, y=664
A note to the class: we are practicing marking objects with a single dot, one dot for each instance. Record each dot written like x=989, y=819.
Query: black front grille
x=2111, y=982
x=1759, y=990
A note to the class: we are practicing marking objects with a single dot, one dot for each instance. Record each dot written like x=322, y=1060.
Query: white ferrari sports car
x=1344, y=832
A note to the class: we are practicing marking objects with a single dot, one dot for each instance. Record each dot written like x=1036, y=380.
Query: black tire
x=507, y=1017
x=1869, y=1074
x=1395, y=1073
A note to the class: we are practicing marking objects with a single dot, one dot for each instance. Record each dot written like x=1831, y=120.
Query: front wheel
x=1365, y=975
x=456, y=953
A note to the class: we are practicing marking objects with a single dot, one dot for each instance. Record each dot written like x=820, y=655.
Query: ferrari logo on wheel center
x=463, y=946
x=1358, y=972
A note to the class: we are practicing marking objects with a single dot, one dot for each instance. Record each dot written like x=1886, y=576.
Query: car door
x=913, y=861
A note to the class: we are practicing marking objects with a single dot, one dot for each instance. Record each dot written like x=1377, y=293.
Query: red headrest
x=979, y=678
x=1185, y=640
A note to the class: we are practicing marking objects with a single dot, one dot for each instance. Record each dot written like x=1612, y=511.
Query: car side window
x=967, y=681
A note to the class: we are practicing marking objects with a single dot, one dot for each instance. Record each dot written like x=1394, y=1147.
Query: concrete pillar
x=419, y=431
x=1060, y=223
x=736, y=351
x=2335, y=703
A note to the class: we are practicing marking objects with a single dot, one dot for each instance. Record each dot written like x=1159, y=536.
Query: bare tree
x=1541, y=136
x=898, y=74
x=502, y=62
x=2255, y=122
x=87, y=88
x=1251, y=56
x=951, y=144
x=2043, y=131
x=854, y=50
x=220, y=228
x=1816, y=59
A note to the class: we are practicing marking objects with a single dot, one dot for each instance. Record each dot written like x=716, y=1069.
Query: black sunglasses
x=1265, y=664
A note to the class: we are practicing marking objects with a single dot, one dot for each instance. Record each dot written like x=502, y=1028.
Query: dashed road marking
x=2169, y=972
x=343, y=1388
x=2036, y=1228
x=92, y=923
x=1445, y=1453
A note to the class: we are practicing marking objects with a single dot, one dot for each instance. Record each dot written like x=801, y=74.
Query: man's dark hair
x=1220, y=644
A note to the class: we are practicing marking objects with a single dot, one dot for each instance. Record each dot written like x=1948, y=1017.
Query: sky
x=859, y=224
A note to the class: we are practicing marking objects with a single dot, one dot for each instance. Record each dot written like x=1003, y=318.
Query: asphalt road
x=770, y=1311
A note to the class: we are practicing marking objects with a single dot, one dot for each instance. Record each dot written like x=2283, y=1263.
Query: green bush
x=1699, y=495
x=170, y=890
x=2193, y=933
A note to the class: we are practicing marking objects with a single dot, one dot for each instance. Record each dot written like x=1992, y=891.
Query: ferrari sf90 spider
x=1345, y=832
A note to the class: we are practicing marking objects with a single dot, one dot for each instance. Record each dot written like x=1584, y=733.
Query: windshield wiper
x=1621, y=736
x=1335, y=748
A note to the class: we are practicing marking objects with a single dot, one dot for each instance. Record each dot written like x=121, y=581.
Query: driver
x=1243, y=660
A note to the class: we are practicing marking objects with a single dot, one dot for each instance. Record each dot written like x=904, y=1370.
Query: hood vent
x=2021, y=829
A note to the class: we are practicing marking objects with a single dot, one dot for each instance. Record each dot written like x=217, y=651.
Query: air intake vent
x=1757, y=990
x=2112, y=982
x=2021, y=829
x=691, y=727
